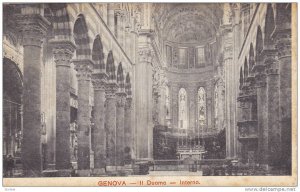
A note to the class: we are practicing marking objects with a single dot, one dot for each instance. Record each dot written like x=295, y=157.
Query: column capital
x=145, y=55
x=120, y=13
x=111, y=89
x=270, y=59
x=128, y=103
x=282, y=36
x=84, y=68
x=260, y=79
x=226, y=28
x=99, y=81
x=62, y=51
x=121, y=99
x=33, y=28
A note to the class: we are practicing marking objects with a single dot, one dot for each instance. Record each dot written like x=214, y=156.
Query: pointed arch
x=12, y=81
x=82, y=40
x=182, y=112
x=110, y=67
x=60, y=21
x=259, y=43
x=269, y=25
x=120, y=78
x=201, y=106
x=98, y=55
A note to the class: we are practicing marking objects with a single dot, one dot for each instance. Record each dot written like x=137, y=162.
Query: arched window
x=201, y=106
x=182, y=113
x=168, y=110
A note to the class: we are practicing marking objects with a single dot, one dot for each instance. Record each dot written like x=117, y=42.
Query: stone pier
x=33, y=30
x=62, y=52
x=262, y=113
x=121, y=99
x=99, y=83
x=84, y=69
x=111, y=113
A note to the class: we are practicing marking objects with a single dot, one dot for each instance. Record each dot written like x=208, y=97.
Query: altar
x=195, y=152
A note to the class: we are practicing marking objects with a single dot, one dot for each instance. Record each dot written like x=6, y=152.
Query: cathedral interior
x=118, y=89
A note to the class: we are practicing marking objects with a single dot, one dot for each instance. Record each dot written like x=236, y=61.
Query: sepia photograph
x=149, y=94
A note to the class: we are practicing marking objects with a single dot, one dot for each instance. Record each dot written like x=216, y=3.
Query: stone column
x=262, y=113
x=209, y=105
x=128, y=141
x=230, y=96
x=174, y=91
x=62, y=52
x=33, y=29
x=274, y=139
x=111, y=114
x=99, y=83
x=162, y=105
x=143, y=96
x=282, y=36
x=120, y=136
x=84, y=69
x=192, y=105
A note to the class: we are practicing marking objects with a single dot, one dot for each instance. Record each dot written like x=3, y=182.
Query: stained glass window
x=182, y=56
x=201, y=106
x=168, y=111
x=182, y=99
x=169, y=55
x=200, y=57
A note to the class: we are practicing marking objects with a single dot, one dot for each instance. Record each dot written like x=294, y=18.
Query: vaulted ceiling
x=187, y=22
